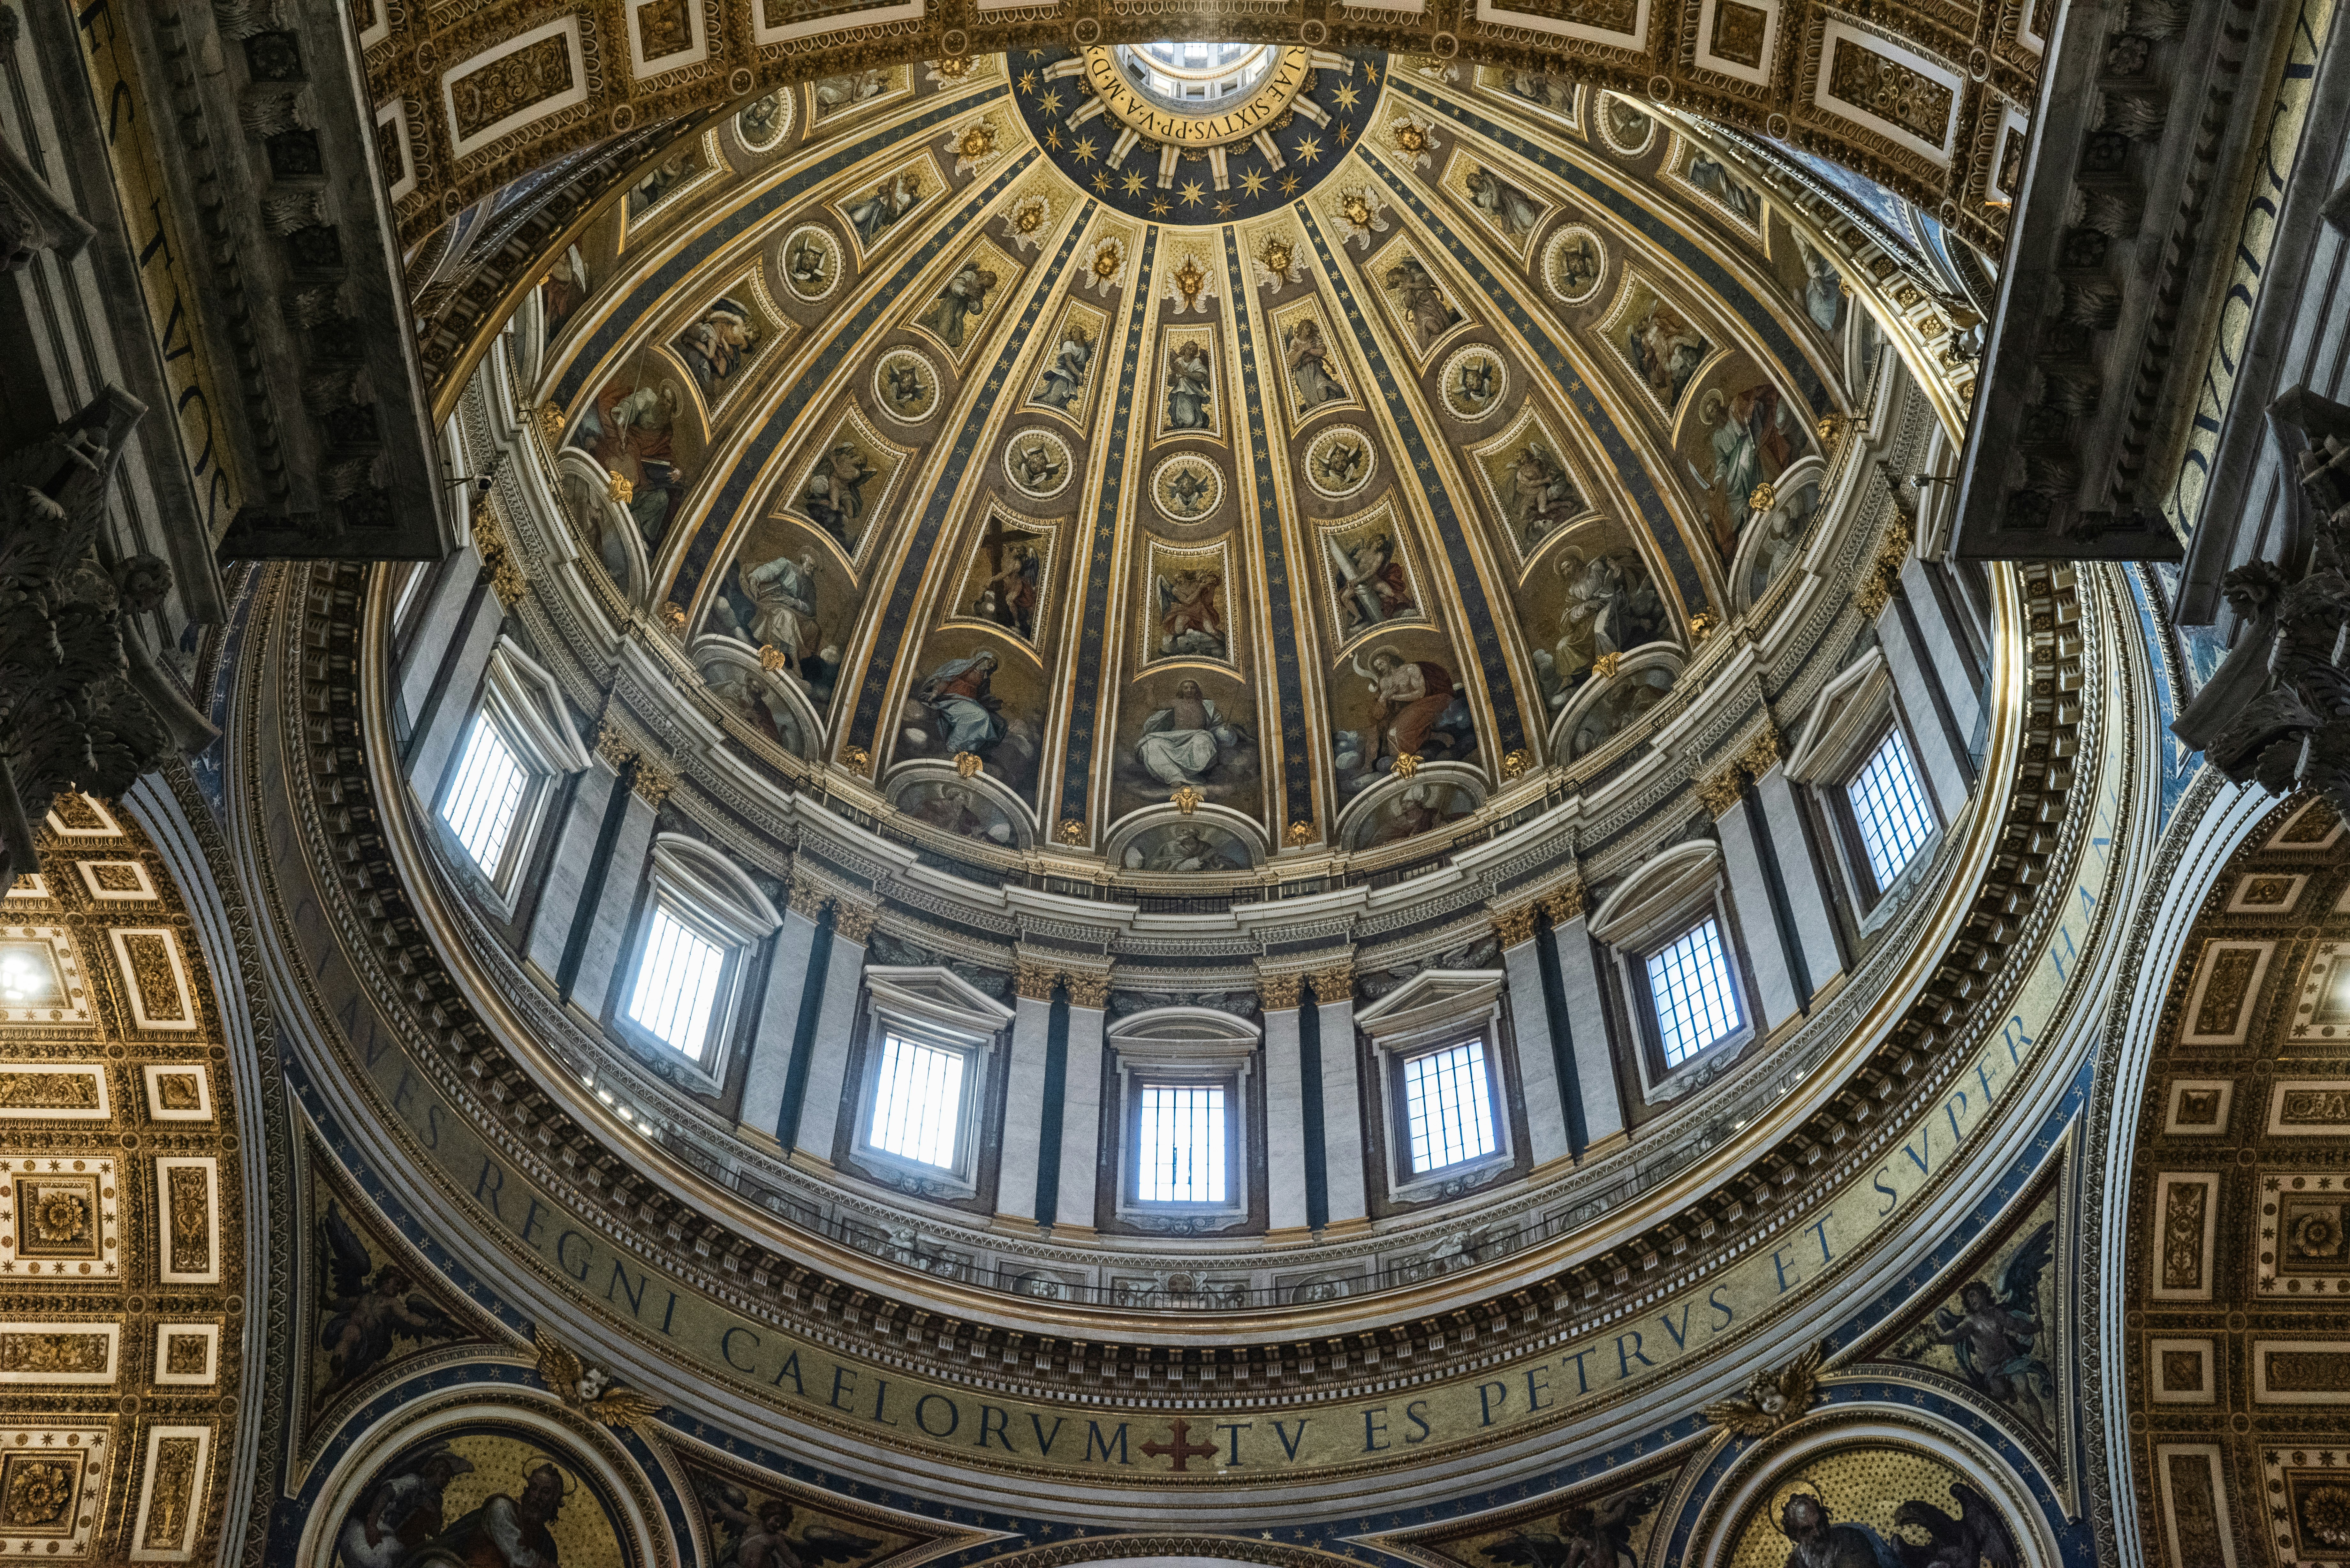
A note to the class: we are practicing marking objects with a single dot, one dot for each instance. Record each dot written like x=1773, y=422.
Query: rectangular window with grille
x=486, y=797
x=918, y=1102
x=1448, y=1106
x=1691, y=987
x=676, y=991
x=1888, y=808
x=1183, y=1144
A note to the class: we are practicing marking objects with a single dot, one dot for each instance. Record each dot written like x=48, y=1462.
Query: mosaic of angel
x=1190, y=387
x=1503, y=204
x=833, y=494
x=630, y=428
x=1314, y=375
x=1630, y=125
x=1588, y=1535
x=1665, y=350
x=908, y=386
x=1540, y=493
x=756, y=121
x=1475, y=385
x=878, y=211
x=757, y=1535
x=963, y=298
x=1376, y=587
x=1191, y=612
x=1013, y=584
x=665, y=177
x=724, y=340
x=1747, y=441
x=369, y=1310
x=808, y=263
x=1577, y=267
x=1996, y=1333
x=1611, y=607
x=1341, y=463
x=1420, y=301
x=1184, y=847
x=1061, y=385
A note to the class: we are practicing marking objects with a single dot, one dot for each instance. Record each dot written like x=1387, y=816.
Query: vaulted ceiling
x=1426, y=420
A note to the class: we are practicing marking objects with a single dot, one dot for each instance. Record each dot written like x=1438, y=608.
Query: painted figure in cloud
x=961, y=693
x=1182, y=741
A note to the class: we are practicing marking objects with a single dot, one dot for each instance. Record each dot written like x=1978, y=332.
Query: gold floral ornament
x=1406, y=764
x=489, y=541
x=60, y=1217
x=2325, y=1510
x=954, y=67
x=1073, y=830
x=1300, y=834
x=968, y=764
x=618, y=488
x=591, y=1390
x=1609, y=663
x=1187, y=798
x=40, y=1493
x=1772, y=1398
x=857, y=759
x=771, y=658
x=1761, y=498
x=673, y=615
x=1515, y=764
x=550, y=421
x=1830, y=428
x=1703, y=624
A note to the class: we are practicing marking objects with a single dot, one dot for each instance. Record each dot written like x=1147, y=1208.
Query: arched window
x=702, y=918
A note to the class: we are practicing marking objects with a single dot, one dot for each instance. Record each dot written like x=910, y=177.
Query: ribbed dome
x=1277, y=474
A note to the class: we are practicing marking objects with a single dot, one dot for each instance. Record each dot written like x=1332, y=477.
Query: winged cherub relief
x=590, y=1390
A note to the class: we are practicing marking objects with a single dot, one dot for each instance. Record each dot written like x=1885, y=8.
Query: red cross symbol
x=1183, y=1449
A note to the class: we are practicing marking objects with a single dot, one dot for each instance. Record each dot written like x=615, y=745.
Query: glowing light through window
x=1183, y=1144
x=917, y=1103
x=1890, y=809
x=487, y=797
x=677, y=984
x=1197, y=76
x=1447, y=1107
x=28, y=977
x=1690, y=984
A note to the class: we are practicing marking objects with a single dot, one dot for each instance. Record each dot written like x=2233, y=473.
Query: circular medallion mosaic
x=1575, y=264
x=1339, y=461
x=906, y=386
x=1037, y=463
x=1187, y=487
x=810, y=262
x=1474, y=379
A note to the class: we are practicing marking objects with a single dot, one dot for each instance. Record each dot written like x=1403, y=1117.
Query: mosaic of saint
x=975, y=697
x=784, y=591
x=1183, y=846
x=480, y=1497
x=1394, y=699
x=1186, y=729
x=639, y=429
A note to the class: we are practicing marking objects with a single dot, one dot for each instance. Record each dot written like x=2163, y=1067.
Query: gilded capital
x=1279, y=992
x=614, y=746
x=1760, y=753
x=1720, y=791
x=809, y=897
x=1565, y=906
x=1034, y=982
x=1335, y=985
x=1514, y=926
x=652, y=783
x=852, y=922
x=1087, y=990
